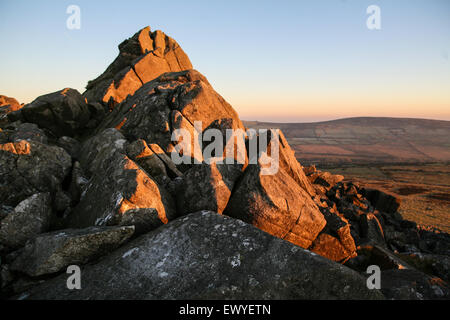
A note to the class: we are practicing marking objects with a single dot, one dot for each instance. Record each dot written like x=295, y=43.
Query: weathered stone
x=225, y=259
x=100, y=148
x=77, y=183
x=172, y=101
x=119, y=187
x=277, y=205
x=29, y=167
x=335, y=242
x=29, y=218
x=29, y=132
x=139, y=152
x=382, y=201
x=62, y=201
x=7, y=105
x=289, y=163
x=207, y=187
x=6, y=277
x=325, y=180
x=371, y=229
x=71, y=145
x=5, y=210
x=142, y=58
x=407, y=284
x=383, y=258
x=12, y=103
x=171, y=168
x=64, y=113
x=432, y=264
x=51, y=252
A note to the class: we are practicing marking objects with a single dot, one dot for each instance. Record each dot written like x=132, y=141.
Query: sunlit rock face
x=277, y=205
x=119, y=192
x=142, y=58
x=174, y=101
x=7, y=105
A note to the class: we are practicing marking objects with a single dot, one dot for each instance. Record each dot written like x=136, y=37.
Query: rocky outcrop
x=277, y=205
x=121, y=193
x=30, y=217
x=335, y=241
x=207, y=187
x=22, y=131
x=142, y=58
x=62, y=113
x=7, y=105
x=51, y=252
x=382, y=201
x=30, y=167
x=81, y=175
x=322, y=181
x=233, y=260
x=173, y=101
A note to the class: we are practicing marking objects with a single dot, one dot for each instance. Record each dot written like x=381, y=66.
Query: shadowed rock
x=64, y=113
x=140, y=153
x=207, y=187
x=29, y=167
x=99, y=148
x=51, y=252
x=224, y=257
x=382, y=201
x=121, y=193
x=30, y=218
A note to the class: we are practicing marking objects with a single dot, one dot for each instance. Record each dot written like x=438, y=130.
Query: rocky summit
x=98, y=180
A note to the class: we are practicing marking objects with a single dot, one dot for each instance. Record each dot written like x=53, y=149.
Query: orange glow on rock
x=146, y=195
x=20, y=148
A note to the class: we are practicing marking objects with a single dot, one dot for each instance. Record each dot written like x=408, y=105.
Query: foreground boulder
x=142, y=58
x=225, y=259
x=30, y=167
x=30, y=217
x=277, y=205
x=51, y=252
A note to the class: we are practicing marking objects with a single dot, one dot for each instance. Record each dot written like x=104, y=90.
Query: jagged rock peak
x=141, y=59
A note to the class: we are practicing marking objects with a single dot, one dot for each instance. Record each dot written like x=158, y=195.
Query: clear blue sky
x=277, y=60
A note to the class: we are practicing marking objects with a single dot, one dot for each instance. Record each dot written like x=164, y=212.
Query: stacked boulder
x=142, y=58
x=84, y=175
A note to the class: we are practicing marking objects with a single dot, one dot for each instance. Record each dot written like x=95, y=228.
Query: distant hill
x=366, y=140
